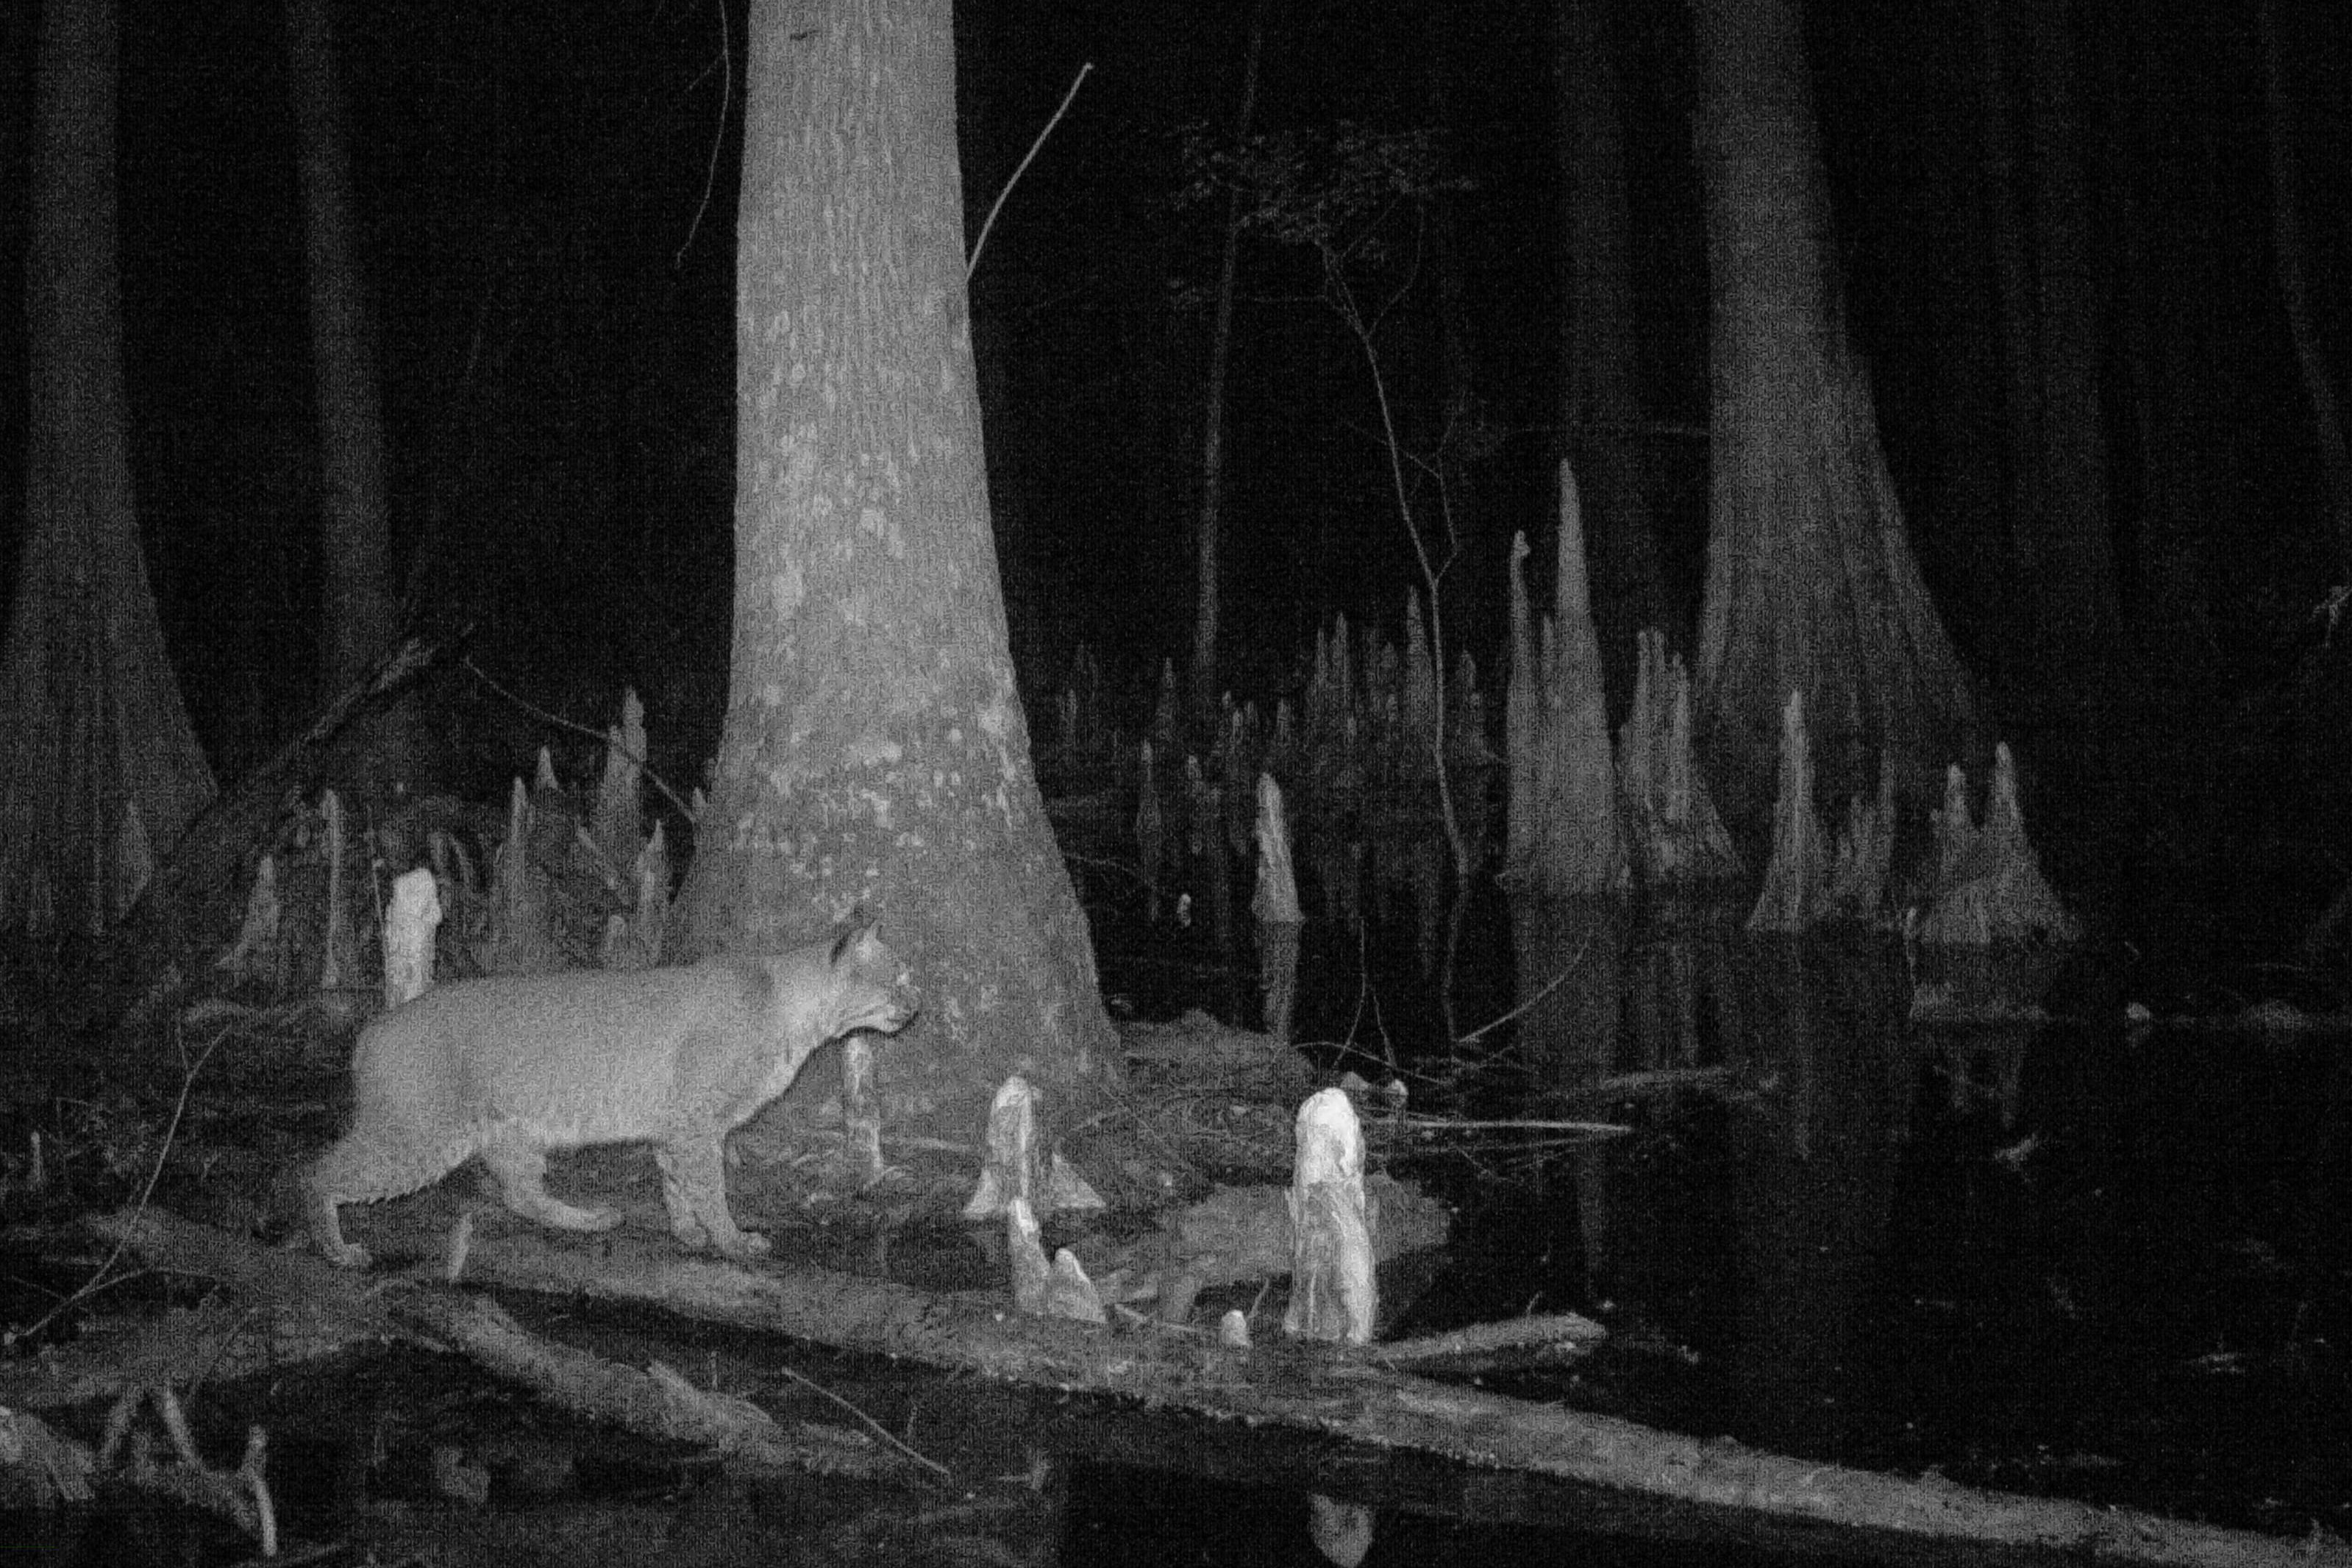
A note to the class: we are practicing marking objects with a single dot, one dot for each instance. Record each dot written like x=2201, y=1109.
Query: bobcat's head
x=872, y=990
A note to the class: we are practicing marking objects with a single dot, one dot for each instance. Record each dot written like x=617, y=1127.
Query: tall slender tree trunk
x=1469, y=557
x=1209, y=533
x=2061, y=579
x=2295, y=295
x=2076, y=524
x=1603, y=412
x=2058, y=450
x=2169, y=170
x=1810, y=584
x=876, y=755
x=355, y=570
x=101, y=770
x=2006, y=228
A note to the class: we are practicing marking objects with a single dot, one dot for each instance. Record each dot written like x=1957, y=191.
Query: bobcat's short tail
x=367, y=1167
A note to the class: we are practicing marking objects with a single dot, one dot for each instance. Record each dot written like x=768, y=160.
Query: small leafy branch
x=1332, y=189
x=1344, y=193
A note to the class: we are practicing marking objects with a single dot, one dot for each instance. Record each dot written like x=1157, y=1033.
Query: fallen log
x=1637, y=1479
x=337, y=1310
x=218, y=1342
x=656, y=1402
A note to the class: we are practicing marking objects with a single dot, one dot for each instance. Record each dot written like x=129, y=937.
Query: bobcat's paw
x=343, y=1255
x=747, y=1246
x=601, y=1217
x=326, y=1231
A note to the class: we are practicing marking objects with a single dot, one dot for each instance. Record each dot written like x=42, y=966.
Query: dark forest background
x=548, y=190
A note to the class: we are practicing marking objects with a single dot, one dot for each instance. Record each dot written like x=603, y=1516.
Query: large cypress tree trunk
x=876, y=754
x=1810, y=584
x=100, y=770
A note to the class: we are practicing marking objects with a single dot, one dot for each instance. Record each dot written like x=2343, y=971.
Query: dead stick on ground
x=99, y=1280
x=1486, y=1339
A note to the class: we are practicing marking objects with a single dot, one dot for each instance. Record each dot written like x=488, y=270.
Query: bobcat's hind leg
x=693, y=1190
x=320, y=1198
x=520, y=1168
x=375, y=1160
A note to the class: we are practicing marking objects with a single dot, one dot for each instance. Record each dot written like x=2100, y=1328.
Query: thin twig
x=99, y=1280
x=1554, y=984
x=558, y=720
x=1406, y=1122
x=1432, y=575
x=998, y=205
x=877, y=1427
x=719, y=138
x=1101, y=863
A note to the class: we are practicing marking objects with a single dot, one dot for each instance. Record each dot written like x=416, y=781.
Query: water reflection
x=2034, y=1253
x=1780, y=1225
x=1814, y=1142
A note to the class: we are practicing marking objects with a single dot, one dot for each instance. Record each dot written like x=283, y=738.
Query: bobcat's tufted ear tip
x=858, y=930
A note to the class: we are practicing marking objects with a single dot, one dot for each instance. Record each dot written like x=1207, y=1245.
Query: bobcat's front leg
x=693, y=1190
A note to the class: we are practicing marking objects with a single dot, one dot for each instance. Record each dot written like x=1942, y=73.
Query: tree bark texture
x=876, y=754
x=102, y=770
x=1810, y=583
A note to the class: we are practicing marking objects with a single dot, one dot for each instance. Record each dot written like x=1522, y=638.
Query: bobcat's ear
x=860, y=928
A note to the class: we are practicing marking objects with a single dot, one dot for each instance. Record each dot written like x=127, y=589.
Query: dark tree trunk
x=2295, y=295
x=1469, y=558
x=102, y=770
x=1603, y=411
x=1208, y=535
x=2176, y=370
x=2063, y=573
x=1810, y=585
x=876, y=754
x=2006, y=224
x=356, y=603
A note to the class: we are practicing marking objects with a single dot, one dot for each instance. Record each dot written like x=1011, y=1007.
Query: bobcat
x=512, y=1066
